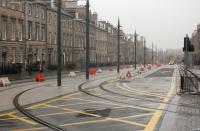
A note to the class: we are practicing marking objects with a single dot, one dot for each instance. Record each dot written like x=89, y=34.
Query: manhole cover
x=102, y=113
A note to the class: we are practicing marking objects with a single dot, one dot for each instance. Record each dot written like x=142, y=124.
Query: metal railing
x=189, y=81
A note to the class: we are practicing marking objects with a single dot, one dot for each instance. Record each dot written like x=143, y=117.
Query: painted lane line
x=130, y=89
x=87, y=122
x=51, y=101
x=156, y=117
x=5, y=114
x=22, y=119
x=58, y=113
x=72, y=110
x=98, y=116
x=54, y=114
x=43, y=107
x=112, y=103
x=145, y=92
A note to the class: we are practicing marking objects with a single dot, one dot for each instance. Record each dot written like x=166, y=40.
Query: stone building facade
x=12, y=37
x=101, y=43
x=195, y=41
x=36, y=35
x=28, y=38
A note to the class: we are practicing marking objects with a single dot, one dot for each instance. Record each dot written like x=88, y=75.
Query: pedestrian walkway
x=49, y=73
x=186, y=112
x=46, y=90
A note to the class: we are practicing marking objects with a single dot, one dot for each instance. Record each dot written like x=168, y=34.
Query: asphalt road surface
x=113, y=105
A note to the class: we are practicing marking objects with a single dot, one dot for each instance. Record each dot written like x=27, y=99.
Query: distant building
x=195, y=41
x=28, y=38
x=173, y=54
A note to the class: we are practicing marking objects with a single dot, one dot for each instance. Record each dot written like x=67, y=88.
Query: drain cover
x=102, y=113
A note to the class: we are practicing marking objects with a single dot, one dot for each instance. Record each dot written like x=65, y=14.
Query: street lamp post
x=29, y=60
x=59, y=81
x=118, y=47
x=144, y=51
x=152, y=54
x=87, y=40
x=42, y=62
x=97, y=61
x=135, y=42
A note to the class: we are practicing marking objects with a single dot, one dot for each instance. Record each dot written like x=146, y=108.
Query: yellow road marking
x=145, y=92
x=52, y=114
x=136, y=116
x=127, y=122
x=137, y=92
x=90, y=114
x=42, y=107
x=31, y=129
x=22, y=119
x=103, y=95
x=109, y=103
x=119, y=119
x=64, y=97
x=51, y=101
x=91, y=121
x=72, y=110
x=5, y=114
x=156, y=117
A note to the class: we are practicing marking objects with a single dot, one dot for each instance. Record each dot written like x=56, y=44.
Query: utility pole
x=135, y=42
x=118, y=47
x=159, y=55
x=97, y=61
x=186, y=52
x=152, y=54
x=87, y=40
x=26, y=32
x=59, y=43
x=156, y=58
x=144, y=51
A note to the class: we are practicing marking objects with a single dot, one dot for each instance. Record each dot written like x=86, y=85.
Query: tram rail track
x=141, y=106
x=147, y=99
x=24, y=111
x=86, y=90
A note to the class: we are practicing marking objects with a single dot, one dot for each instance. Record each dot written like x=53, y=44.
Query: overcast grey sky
x=163, y=22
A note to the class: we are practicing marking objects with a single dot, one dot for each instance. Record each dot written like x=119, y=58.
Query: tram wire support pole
x=144, y=52
x=118, y=46
x=186, y=60
x=87, y=40
x=135, y=42
x=59, y=5
x=152, y=55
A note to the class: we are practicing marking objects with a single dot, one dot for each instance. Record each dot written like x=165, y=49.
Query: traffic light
x=187, y=42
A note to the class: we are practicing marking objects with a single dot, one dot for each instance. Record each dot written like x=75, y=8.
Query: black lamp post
x=29, y=60
x=42, y=62
x=135, y=46
x=59, y=61
x=144, y=51
x=118, y=46
x=87, y=39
